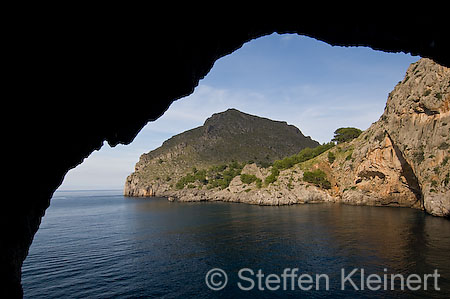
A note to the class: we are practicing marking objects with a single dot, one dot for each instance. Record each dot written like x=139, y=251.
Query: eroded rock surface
x=403, y=158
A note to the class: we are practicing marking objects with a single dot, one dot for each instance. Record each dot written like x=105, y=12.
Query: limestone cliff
x=402, y=160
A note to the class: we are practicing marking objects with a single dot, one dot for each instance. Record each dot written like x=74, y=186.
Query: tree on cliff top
x=346, y=134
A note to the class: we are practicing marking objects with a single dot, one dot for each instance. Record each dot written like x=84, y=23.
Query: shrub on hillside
x=331, y=157
x=304, y=155
x=248, y=178
x=318, y=178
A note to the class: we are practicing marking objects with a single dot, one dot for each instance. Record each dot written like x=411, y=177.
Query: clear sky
x=308, y=83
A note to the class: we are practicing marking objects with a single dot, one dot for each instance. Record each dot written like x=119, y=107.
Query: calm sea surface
x=98, y=244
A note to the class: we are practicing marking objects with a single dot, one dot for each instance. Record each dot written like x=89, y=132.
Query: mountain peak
x=227, y=115
x=226, y=136
x=233, y=121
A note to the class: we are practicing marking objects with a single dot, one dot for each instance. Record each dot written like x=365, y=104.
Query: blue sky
x=293, y=78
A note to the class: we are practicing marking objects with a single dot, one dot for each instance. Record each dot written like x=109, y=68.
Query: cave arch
x=273, y=76
x=81, y=73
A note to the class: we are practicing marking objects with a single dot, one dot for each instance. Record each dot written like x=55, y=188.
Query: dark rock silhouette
x=84, y=76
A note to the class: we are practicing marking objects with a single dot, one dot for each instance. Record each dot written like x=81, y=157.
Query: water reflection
x=313, y=238
x=111, y=246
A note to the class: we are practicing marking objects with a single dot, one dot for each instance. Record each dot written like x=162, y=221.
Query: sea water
x=99, y=244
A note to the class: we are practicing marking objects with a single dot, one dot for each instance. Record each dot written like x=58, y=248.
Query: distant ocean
x=99, y=244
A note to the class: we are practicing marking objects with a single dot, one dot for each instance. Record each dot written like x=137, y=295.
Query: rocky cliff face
x=402, y=160
x=405, y=155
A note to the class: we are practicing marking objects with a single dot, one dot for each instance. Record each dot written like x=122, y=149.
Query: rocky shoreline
x=282, y=193
x=275, y=194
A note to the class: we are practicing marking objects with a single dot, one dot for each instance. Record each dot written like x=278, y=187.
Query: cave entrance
x=305, y=82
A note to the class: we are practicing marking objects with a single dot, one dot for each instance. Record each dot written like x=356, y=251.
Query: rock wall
x=417, y=118
x=380, y=177
x=403, y=158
